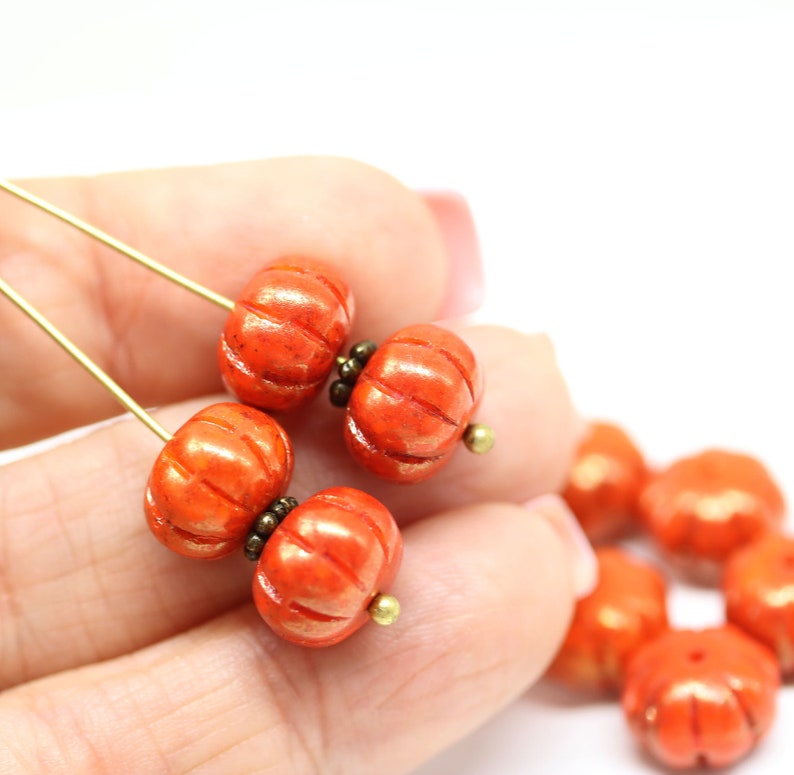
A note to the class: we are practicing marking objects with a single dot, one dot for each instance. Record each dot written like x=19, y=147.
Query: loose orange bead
x=604, y=482
x=281, y=339
x=626, y=610
x=324, y=564
x=412, y=403
x=221, y=469
x=701, y=698
x=758, y=584
x=703, y=508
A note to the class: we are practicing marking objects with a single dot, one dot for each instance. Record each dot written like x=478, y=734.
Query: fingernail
x=584, y=565
x=465, y=287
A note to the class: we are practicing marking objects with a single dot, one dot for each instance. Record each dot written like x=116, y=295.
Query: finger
x=526, y=403
x=481, y=620
x=85, y=580
x=465, y=285
x=217, y=225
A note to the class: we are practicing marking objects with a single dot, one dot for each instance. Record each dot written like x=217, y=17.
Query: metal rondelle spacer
x=349, y=370
x=265, y=524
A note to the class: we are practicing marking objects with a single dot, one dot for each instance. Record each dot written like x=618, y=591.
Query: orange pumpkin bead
x=324, y=564
x=221, y=469
x=412, y=403
x=604, y=482
x=626, y=610
x=281, y=340
x=758, y=584
x=703, y=508
x=701, y=698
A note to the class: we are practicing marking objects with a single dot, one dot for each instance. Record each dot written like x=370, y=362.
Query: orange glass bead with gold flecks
x=324, y=564
x=604, y=482
x=625, y=610
x=412, y=403
x=220, y=470
x=758, y=585
x=281, y=340
x=702, y=508
x=701, y=698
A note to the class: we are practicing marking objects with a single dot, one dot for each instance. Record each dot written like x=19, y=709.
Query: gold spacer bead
x=479, y=438
x=384, y=609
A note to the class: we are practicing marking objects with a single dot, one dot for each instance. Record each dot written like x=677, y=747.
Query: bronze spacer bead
x=363, y=351
x=265, y=524
x=289, y=502
x=349, y=371
x=254, y=545
x=340, y=393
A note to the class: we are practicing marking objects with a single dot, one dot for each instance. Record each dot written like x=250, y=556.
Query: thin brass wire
x=120, y=395
x=117, y=245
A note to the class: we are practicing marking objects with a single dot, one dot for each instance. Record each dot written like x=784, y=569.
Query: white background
x=633, y=160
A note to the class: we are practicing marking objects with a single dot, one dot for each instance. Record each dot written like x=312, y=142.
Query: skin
x=117, y=655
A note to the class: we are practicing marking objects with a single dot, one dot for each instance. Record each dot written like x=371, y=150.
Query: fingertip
x=527, y=403
x=465, y=288
x=582, y=560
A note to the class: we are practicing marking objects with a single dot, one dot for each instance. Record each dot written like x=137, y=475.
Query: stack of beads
x=692, y=697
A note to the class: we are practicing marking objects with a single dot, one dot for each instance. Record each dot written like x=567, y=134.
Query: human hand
x=119, y=656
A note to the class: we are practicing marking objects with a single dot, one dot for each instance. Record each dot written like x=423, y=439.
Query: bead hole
x=788, y=562
x=696, y=655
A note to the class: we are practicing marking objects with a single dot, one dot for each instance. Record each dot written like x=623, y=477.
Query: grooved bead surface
x=324, y=564
x=758, y=585
x=221, y=469
x=604, y=482
x=704, y=507
x=701, y=698
x=281, y=340
x=412, y=403
x=626, y=610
